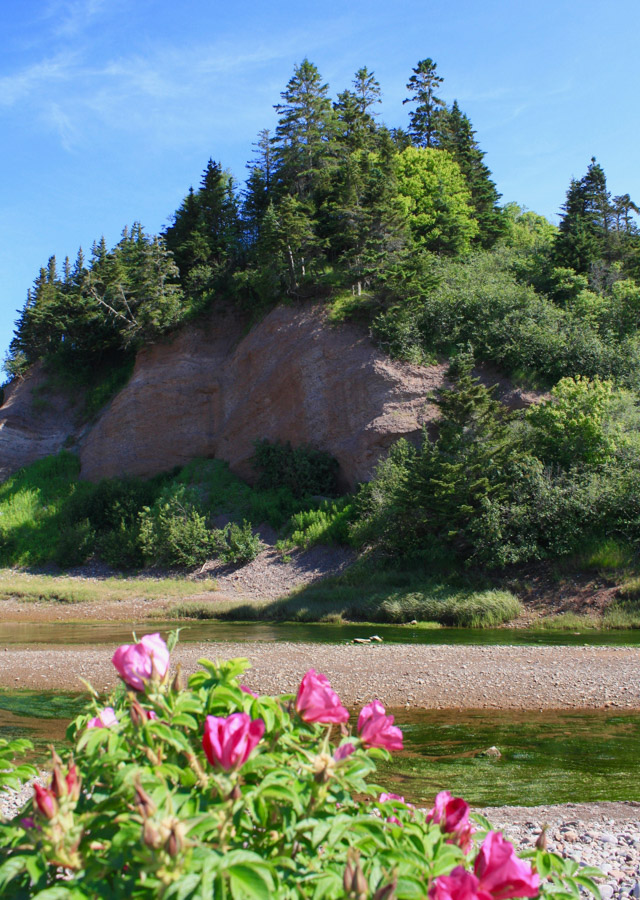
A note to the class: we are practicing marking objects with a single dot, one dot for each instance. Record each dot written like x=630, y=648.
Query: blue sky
x=109, y=109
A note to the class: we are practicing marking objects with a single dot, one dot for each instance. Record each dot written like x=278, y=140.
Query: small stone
x=491, y=751
x=635, y=891
x=376, y=638
x=606, y=891
x=570, y=836
x=361, y=641
x=607, y=838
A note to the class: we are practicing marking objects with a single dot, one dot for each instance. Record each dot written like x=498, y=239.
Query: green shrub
x=75, y=545
x=305, y=471
x=144, y=807
x=328, y=524
x=237, y=544
x=478, y=301
x=112, y=501
x=173, y=532
x=121, y=547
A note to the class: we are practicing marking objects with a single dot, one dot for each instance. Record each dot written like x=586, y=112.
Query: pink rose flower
x=228, y=742
x=376, y=729
x=318, y=702
x=105, y=719
x=452, y=815
x=384, y=797
x=459, y=885
x=138, y=663
x=501, y=872
x=344, y=751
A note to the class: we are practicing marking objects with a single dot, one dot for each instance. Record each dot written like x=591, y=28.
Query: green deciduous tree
x=435, y=200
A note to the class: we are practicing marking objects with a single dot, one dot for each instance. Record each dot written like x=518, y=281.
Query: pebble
x=586, y=833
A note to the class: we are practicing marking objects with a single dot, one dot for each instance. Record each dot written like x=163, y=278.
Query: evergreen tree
x=355, y=111
x=456, y=135
x=424, y=119
x=584, y=233
x=453, y=476
x=258, y=189
x=304, y=134
x=205, y=236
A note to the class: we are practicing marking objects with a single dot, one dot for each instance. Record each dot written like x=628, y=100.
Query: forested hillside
x=403, y=231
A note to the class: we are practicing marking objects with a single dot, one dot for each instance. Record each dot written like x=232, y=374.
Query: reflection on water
x=547, y=757
x=31, y=633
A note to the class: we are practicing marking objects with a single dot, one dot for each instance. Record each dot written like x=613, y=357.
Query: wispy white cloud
x=28, y=82
x=69, y=18
x=174, y=93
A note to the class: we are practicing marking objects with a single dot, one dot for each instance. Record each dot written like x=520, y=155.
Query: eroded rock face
x=33, y=423
x=214, y=391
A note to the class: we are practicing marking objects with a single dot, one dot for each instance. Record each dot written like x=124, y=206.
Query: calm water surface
x=558, y=756
x=30, y=633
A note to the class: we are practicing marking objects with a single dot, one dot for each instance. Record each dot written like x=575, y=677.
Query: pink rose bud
x=452, y=815
x=105, y=719
x=45, y=801
x=318, y=702
x=246, y=690
x=376, y=729
x=151, y=714
x=73, y=782
x=228, y=742
x=501, y=872
x=344, y=751
x=138, y=663
x=27, y=823
x=459, y=885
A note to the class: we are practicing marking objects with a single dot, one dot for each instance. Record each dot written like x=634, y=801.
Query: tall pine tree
x=424, y=119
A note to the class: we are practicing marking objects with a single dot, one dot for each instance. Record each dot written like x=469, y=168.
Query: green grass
x=607, y=555
x=32, y=504
x=618, y=616
x=569, y=622
x=62, y=589
x=369, y=594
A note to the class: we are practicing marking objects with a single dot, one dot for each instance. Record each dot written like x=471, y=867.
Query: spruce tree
x=424, y=119
x=456, y=135
x=304, y=134
x=587, y=223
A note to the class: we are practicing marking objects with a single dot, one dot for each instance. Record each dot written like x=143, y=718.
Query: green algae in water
x=554, y=756
x=42, y=717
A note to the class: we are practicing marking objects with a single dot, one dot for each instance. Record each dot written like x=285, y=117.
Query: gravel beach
x=411, y=676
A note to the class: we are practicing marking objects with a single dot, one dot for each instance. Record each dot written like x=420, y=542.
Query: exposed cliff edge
x=33, y=423
x=213, y=390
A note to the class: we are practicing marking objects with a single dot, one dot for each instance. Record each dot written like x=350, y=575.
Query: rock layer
x=213, y=391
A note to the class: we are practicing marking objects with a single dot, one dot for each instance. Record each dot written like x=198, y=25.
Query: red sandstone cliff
x=213, y=390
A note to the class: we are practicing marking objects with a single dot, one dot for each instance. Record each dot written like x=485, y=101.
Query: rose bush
x=206, y=791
